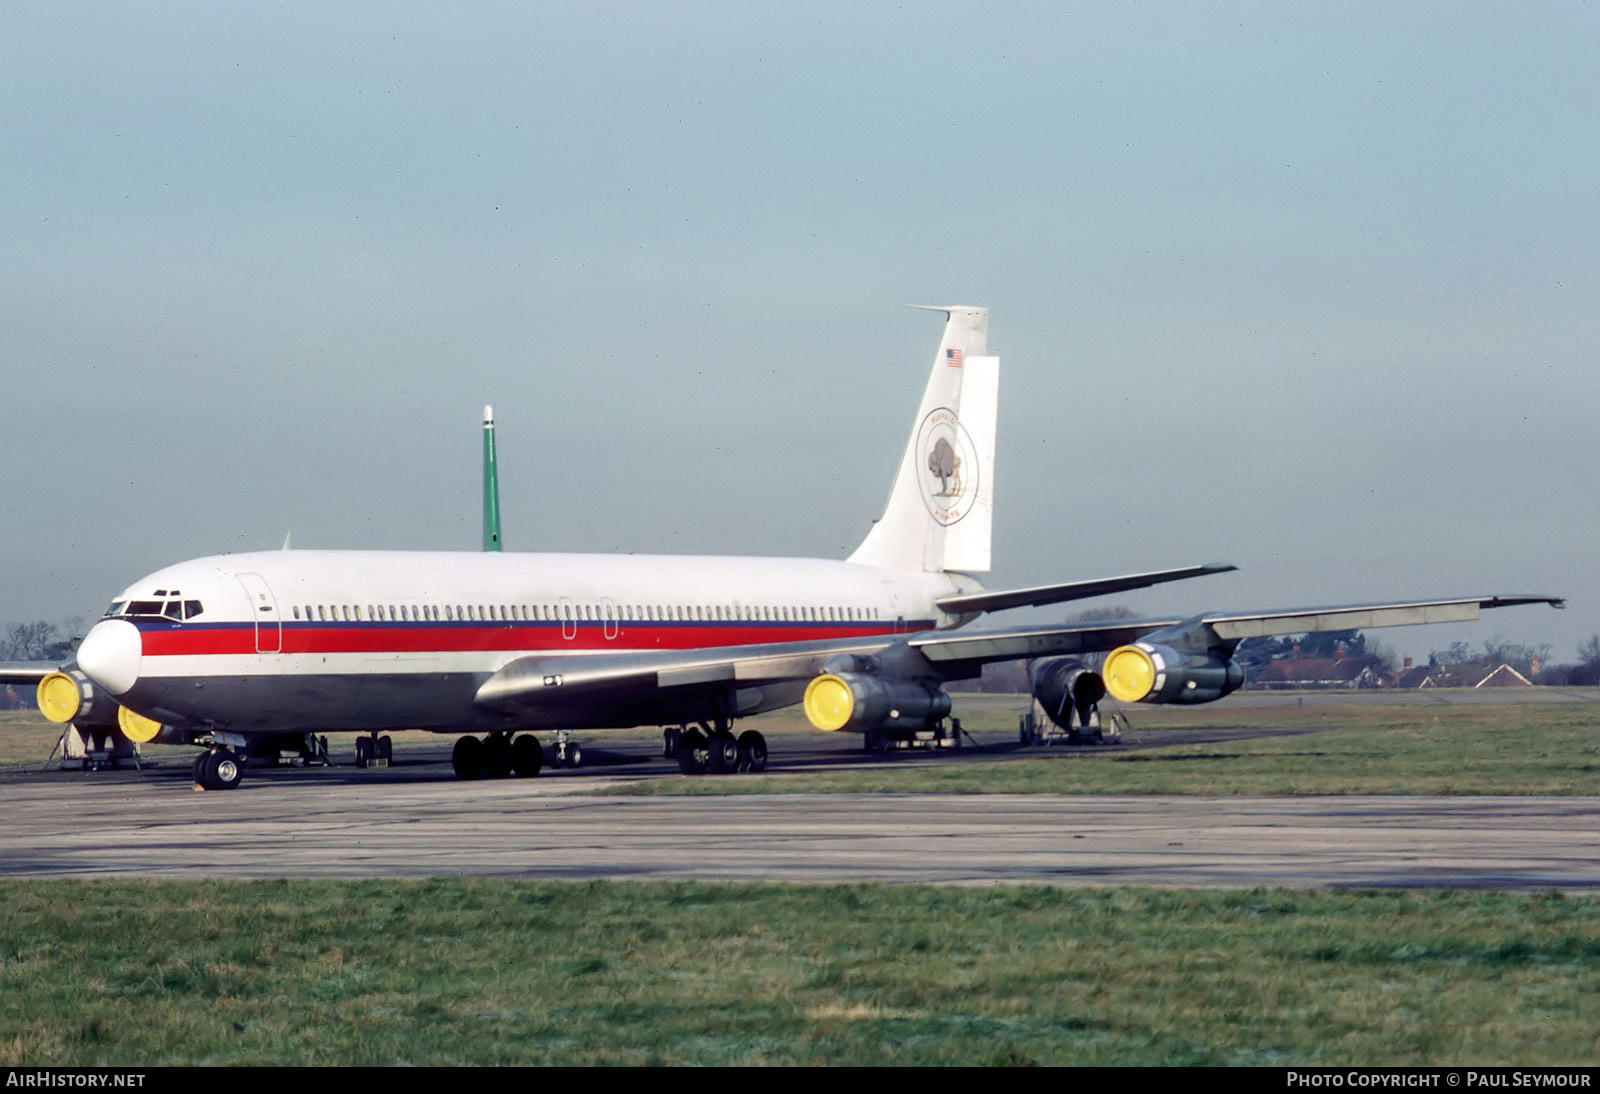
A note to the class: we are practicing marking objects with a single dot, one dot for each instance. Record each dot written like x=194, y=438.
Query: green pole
x=491, y=486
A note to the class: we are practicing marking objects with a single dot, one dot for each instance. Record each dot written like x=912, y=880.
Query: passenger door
x=264, y=613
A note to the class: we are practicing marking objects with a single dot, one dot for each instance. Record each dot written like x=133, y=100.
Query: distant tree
x=1333, y=643
x=1109, y=613
x=1586, y=673
x=1005, y=677
x=30, y=641
x=1382, y=657
x=1457, y=653
x=1519, y=655
x=1255, y=654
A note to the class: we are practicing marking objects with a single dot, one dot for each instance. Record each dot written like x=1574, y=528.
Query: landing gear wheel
x=497, y=757
x=693, y=754
x=670, y=741
x=221, y=770
x=724, y=758
x=526, y=756
x=467, y=758
x=363, y=751
x=752, y=751
x=384, y=751
x=567, y=753
x=199, y=767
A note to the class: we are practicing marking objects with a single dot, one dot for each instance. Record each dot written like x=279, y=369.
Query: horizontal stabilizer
x=1072, y=590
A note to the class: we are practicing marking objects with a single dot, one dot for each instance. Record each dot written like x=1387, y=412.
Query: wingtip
x=1559, y=603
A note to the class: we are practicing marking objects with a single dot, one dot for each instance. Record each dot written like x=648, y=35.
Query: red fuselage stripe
x=301, y=638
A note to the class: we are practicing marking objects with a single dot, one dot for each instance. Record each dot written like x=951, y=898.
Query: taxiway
x=346, y=823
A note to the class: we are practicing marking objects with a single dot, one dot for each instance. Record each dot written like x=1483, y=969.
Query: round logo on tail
x=947, y=466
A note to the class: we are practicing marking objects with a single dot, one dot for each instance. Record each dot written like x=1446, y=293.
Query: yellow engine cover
x=1130, y=674
x=828, y=703
x=59, y=698
x=136, y=727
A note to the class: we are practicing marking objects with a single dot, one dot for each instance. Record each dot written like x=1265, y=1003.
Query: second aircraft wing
x=630, y=685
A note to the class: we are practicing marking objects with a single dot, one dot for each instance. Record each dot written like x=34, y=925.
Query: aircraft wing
x=627, y=683
x=25, y=672
x=987, y=601
x=553, y=686
x=959, y=654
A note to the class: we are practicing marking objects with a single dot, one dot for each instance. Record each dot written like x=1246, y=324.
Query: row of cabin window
x=355, y=613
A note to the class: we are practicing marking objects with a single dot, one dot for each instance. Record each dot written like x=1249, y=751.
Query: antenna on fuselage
x=491, y=486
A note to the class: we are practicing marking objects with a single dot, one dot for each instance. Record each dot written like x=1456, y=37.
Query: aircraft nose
x=109, y=655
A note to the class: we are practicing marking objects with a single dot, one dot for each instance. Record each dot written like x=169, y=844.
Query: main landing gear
x=374, y=751
x=218, y=769
x=497, y=756
x=714, y=748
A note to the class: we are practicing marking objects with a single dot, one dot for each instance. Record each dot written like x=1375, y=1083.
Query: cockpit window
x=175, y=610
x=116, y=608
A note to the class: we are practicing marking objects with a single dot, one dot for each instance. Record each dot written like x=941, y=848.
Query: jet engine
x=1148, y=673
x=96, y=728
x=67, y=695
x=861, y=702
x=1064, y=686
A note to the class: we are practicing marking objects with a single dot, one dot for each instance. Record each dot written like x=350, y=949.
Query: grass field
x=132, y=973
x=448, y=972
x=27, y=738
x=1359, y=748
x=1477, y=748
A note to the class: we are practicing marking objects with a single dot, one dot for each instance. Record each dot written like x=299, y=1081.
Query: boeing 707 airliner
x=230, y=651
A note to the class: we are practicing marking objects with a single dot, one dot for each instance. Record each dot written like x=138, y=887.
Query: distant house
x=1504, y=676
x=1479, y=674
x=1302, y=673
x=1418, y=677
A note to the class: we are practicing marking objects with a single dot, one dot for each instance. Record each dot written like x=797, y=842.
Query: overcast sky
x=1307, y=288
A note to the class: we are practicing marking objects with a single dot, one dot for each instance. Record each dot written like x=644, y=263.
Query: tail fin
x=941, y=509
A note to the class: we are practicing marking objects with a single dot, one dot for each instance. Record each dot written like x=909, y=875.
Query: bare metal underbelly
x=392, y=702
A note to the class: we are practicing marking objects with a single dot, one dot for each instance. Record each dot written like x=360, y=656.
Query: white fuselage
x=301, y=641
x=296, y=641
